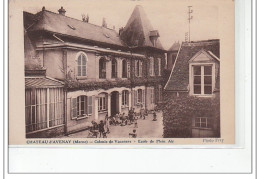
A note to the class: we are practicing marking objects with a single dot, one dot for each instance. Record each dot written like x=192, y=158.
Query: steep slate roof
x=175, y=46
x=179, y=78
x=41, y=82
x=138, y=30
x=57, y=23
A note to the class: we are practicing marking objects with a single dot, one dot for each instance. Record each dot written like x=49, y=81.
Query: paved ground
x=146, y=129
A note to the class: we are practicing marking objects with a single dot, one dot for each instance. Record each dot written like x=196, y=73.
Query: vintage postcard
x=116, y=72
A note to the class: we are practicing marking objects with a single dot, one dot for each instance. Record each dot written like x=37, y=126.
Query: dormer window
x=202, y=79
x=202, y=69
x=154, y=34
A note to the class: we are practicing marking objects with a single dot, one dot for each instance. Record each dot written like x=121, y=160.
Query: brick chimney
x=104, y=23
x=62, y=11
x=121, y=30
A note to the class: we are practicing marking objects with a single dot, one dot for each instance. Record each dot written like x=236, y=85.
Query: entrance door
x=114, y=103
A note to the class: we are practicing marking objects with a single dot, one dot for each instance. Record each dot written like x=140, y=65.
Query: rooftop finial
x=43, y=8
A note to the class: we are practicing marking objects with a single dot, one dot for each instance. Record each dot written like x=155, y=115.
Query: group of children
x=102, y=129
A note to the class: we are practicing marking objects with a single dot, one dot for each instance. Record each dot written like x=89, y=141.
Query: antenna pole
x=190, y=17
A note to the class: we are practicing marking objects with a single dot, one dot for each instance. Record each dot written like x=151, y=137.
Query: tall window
x=114, y=68
x=138, y=68
x=36, y=114
x=102, y=68
x=124, y=69
x=160, y=93
x=202, y=122
x=139, y=96
x=56, y=114
x=82, y=65
x=81, y=106
x=159, y=67
x=152, y=94
x=202, y=80
x=151, y=69
x=102, y=102
x=125, y=96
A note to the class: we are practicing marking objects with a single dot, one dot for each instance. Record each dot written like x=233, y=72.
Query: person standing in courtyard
x=142, y=112
x=107, y=123
x=101, y=128
x=135, y=121
x=154, y=116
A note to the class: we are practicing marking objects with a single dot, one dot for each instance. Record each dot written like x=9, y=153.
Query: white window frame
x=191, y=78
x=139, y=96
x=198, y=120
x=79, y=54
x=160, y=93
x=115, y=67
x=159, y=67
x=124, y=73
x=125, y=95
x=75, y=108
x=90, y=105
x=102, y=100
x=138, y=68
x=151, y=66
x=58, y=103
x=152, y=95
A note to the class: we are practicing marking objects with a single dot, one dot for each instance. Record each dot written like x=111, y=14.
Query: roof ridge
x=77, y=20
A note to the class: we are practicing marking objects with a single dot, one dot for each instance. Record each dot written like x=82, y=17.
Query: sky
x=169, y=17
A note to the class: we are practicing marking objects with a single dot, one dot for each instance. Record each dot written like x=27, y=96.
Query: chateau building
x=77, y=72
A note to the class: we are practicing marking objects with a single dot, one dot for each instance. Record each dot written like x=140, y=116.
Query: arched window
x=124, y=69
x=82, y=65
x=102, y=68
x=114, y=68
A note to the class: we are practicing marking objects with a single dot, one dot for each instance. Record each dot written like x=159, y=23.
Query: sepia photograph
x=87, y=79
x=123, y=70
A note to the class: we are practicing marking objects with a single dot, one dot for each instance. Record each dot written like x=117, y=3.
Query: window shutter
x=127, y=98
x=135, y=97
x=74, y=108
x=143, y=95
x=149, y=64
x=89, y=104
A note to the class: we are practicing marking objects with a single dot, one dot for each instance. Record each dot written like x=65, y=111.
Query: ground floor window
x=152, y=95
x=202, y=122
x=56, y=107
x=160, y=93
x=102, y=102
x=125, y=97
x=44, y=108
x=81, y=106
x=139, y=96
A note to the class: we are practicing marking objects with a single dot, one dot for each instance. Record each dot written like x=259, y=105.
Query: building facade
x=100, y=71
x=193, y=92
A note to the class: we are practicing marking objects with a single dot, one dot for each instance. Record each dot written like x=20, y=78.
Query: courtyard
x=147, y=128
